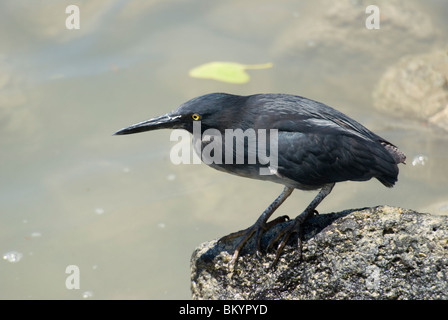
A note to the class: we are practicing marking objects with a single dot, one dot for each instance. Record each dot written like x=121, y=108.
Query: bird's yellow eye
x=195, y=117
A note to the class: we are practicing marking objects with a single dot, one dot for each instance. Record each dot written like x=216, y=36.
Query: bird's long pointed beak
x=167, y=121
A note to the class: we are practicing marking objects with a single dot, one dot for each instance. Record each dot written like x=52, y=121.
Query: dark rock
x=371, y=253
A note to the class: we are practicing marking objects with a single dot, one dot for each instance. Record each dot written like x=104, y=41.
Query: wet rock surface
x=372, y=253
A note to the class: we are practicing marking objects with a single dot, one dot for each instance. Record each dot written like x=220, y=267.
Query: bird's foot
x=258, y=228
x=286, y=232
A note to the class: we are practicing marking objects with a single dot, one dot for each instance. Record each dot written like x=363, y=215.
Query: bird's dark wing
x=317, y=159
x=299, y=114
x=320, y=145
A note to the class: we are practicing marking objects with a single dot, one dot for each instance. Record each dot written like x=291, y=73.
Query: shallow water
x=115, y=206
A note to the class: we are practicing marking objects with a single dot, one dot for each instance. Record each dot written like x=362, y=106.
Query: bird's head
x=211, y=109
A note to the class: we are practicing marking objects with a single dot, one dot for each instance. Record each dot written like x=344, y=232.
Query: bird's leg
x=296, y=226
x=259, y=227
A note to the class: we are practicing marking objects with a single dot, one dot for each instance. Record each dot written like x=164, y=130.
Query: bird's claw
x=276, y=221
x=259, y=228
x=284, y=235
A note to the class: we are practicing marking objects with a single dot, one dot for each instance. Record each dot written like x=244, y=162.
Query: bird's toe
x=258, y=229
x=283, y=236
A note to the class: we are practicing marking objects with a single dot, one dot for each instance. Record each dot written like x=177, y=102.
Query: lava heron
x=311, y=146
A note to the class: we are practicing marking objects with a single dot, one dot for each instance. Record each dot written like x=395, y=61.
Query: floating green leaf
x=231, y=72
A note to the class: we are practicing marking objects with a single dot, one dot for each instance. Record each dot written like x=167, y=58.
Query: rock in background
x=372, y=253
x=416, y=87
